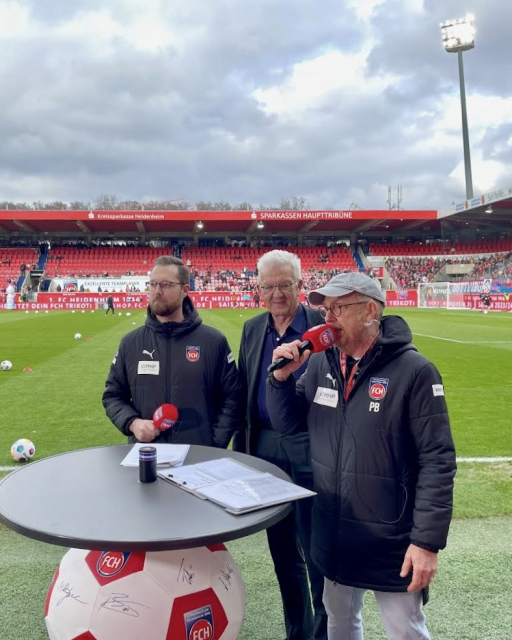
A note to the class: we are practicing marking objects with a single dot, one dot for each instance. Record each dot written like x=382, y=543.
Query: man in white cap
x=382, y=456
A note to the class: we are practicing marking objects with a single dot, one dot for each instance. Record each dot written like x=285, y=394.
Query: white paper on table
x=204, y=474
x=248, y=494
x=171, y=455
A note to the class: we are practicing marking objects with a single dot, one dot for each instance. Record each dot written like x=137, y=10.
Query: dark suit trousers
x=288, y=542
x=297, y=450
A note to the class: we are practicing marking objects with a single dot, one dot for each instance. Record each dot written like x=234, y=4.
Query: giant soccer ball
x=195, y=594
x=22, y=450
x=6, y=365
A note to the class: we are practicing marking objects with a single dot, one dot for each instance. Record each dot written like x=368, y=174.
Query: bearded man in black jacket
x=174, y=359
x=382, y=456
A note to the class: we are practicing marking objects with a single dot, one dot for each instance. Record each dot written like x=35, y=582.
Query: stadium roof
x=138, y=222
x=492, y=211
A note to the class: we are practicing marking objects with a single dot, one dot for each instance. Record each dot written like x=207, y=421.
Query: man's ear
x=374, y=311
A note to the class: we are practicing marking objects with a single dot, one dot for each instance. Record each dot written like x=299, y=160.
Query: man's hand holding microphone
x=293, y=357
x=164, y=418
x=290, y=356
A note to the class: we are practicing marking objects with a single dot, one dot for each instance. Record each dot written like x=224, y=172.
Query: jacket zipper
x=337, y=373
x=332, y=361
x=168, y=376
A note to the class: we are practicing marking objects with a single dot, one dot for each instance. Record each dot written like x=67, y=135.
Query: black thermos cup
x=147, y=464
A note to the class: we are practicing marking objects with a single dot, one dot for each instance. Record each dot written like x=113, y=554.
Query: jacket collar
x=191, y=320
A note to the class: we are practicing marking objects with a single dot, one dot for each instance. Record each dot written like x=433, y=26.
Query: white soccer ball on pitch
x=6, y=365
x=22, y=450
x=78, y=336
x=194, y=594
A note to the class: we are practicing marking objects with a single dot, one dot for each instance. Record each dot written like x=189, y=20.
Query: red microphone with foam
x=165, y=417
x=316, y=339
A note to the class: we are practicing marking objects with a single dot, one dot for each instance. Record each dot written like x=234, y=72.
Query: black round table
x=85, y=499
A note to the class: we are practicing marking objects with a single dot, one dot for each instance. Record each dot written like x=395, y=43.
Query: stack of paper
x=233, y=485
x=167, y=455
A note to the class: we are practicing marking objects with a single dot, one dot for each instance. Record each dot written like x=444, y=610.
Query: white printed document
x=170, y=455
x=203, y=474
x=233, y=485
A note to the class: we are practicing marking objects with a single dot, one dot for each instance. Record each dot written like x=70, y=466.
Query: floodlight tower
x=458, y=36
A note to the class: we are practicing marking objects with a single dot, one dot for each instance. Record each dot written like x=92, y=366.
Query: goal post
x=452, y=295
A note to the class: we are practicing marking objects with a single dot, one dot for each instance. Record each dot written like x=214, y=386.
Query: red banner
x=177, y=216
x=226, y=300
x=74, y=301
x=405, y=298
x=80, y=301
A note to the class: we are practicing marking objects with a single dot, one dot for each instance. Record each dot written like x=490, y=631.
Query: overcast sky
x=331, y=100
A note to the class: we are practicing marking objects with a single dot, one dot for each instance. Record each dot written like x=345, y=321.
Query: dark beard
x=164, y=309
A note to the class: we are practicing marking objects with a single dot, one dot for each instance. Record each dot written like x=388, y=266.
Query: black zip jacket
x=187, y=364
x=383, y=462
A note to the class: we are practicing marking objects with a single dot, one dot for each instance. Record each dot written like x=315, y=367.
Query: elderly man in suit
x=286, y=319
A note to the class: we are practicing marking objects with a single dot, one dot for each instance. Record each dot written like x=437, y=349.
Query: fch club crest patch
x=199, y=623
x=378, y=388
x=193, y=353
x=110, y=563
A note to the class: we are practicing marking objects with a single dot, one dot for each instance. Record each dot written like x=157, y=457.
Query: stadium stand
x=408, y=273
x=12, y=260
x=233, y=268
x=98, y=261
x=439, y=248
x=203, y=262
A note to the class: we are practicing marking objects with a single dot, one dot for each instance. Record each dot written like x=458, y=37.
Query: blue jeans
x=401, y=613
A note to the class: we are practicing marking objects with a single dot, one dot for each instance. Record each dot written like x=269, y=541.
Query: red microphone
x=165, y=417
x=316, y=339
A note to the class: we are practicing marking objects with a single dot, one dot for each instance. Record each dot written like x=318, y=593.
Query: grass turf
x=58, y=406
x=470, y=596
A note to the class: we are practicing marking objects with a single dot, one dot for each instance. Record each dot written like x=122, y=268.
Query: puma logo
x=149, y=353
x=329, y=377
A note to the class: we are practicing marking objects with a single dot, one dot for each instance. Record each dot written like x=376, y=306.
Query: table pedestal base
x=194, y=594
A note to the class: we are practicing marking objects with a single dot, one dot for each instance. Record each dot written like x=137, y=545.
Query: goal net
x=451, y=295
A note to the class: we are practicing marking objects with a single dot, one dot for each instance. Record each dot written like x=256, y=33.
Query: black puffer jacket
x=187, y=364
x=383, y=462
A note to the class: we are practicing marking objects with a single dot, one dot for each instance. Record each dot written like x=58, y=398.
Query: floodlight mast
x=458, y=36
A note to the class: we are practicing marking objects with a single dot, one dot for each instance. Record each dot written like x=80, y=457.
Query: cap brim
x=317, y=297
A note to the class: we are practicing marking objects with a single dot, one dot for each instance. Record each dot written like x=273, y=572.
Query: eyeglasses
x=283, y=288
x=336, y=309
x=164, y=285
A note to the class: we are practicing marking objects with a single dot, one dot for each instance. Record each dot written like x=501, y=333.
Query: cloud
x=249, y=102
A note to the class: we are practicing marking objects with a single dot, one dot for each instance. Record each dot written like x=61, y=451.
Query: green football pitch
x=57, y=405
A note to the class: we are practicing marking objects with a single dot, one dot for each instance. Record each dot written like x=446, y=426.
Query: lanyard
x=349, y=384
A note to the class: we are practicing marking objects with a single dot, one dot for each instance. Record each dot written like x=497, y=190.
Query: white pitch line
x=425, y=335
x=502, y=459
x=489, y=342
x=499, y=459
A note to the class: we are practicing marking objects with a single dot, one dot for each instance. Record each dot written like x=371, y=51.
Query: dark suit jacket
x=249, y=363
